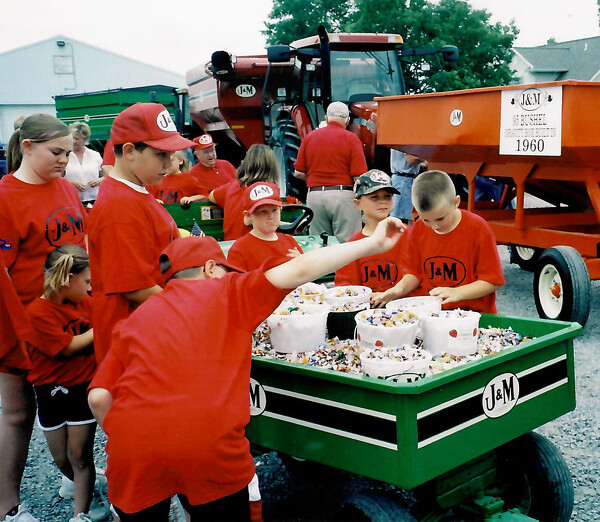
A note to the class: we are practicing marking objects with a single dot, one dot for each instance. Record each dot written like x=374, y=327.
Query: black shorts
x=59, y=406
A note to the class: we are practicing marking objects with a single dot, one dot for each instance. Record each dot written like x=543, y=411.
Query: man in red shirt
x=210, y=172
x=329, y=160
x=128, y=227
x=175, y=412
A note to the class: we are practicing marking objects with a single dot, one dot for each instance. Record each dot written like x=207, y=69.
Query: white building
x=33, y=74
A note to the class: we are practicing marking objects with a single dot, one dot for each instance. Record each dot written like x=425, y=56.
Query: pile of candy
x=309, y=292
x=345, y=291
x=349, y=307
x=388, y=317
x=344, y=355
x=337, y=355
x=296, y=310
x=453, y=314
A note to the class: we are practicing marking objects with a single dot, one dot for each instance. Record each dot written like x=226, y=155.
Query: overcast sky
x=178, y=35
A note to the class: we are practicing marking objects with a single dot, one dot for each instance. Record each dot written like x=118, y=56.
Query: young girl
x=63, y=366
x=262, y=211
x=39, y=210
x=259, y=165
x=177, y=183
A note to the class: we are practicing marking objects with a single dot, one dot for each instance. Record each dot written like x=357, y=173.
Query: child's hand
x=380, y=299
x=186, y=200
x=447, y=294
x=160, y=201
x=388, y=232
x=293, y=252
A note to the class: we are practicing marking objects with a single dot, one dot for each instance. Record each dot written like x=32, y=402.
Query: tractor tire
x=372, y=507
x=285, y=143
x=525, y=257
x=534, y=478
x=561, y=285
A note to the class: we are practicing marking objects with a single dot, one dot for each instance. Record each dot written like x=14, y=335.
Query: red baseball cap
x=192, y=252
x=148, y=123
x=261, y=193
x=203, y=142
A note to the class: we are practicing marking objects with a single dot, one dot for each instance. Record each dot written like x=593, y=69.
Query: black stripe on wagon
x=332, y=417
x=469, y=409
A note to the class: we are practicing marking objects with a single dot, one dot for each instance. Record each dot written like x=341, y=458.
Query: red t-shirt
x=231, y=198
x=172, y=188
x=465, y=255
x=14, y=326
x=34, y=220
x=128, y=231
x=331, y=155
x=55, y=326
x=379, y=271
x=250, y=252
x=181, y=401
x=209, y=178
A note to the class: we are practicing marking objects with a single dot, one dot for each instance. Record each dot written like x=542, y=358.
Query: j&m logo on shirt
x=444, y=271
x=379, y=273
x=65, y=226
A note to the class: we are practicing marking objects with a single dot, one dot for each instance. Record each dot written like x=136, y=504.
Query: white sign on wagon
x=531, y=121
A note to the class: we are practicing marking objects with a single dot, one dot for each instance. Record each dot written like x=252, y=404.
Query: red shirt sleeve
x=358, y=163
x=236, y=256
x=51, y=338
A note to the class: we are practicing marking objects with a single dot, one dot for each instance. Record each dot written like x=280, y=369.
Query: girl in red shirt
x=177, y=182
x=39, y=210
x=259, y=165
x=63, y=366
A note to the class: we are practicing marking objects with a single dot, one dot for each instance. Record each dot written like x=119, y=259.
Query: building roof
x=35, y=73
x=571, y=60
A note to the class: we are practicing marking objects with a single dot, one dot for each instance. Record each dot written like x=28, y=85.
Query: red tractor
x=279, y=98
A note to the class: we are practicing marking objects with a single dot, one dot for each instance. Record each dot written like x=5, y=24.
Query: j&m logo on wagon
x=500, y=395
x=258, y=398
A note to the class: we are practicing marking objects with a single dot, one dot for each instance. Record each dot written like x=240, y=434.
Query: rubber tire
x=576, y=285
x=306, y=469
x=534, y=462
x=525, y=263
x=372, y=507
x=285, y=143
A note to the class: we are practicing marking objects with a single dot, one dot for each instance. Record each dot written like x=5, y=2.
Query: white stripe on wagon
x=333, y=431
x=334, y=404
x=474, y=393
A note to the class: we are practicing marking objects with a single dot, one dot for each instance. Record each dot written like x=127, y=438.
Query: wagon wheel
x=534, y=478
x=525, y=257
x=561, y=285
x=372, y=507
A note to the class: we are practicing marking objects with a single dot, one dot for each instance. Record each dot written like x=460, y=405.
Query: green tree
x=291, y=20
x=485, y=48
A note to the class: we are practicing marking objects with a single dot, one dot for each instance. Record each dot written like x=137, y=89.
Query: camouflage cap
x=372, y=181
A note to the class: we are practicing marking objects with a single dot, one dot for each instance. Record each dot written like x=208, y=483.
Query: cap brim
x=262, y=202
x=172, y=143
x=389, y=188
x=200, y=147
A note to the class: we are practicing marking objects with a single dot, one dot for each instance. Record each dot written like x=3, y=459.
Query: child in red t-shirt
x=63, y=364
x=195, y=403
x=262, y=211
x=373, y=196
x=451, y=252
x=259, y=165
x=177, y=182
x=128, y=227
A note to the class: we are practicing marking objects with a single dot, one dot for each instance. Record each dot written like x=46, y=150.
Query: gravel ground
x=575, y=434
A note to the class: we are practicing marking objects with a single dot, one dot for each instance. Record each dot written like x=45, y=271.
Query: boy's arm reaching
x=407, y=284
x=473, y=290
x=316, y=263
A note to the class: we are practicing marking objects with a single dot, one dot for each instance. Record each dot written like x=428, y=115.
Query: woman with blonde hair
x=84, y=169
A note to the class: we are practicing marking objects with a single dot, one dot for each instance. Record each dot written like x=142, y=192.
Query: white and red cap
x=203, y=142
x=148, y=123
x=261, y=193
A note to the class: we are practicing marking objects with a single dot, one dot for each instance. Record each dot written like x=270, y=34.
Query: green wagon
x=451, y=437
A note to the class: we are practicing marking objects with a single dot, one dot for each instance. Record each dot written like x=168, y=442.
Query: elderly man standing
x=329, y=160
x=210, y=172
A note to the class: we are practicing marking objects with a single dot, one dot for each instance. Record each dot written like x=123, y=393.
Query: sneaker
x=81, y=517
x=100, y=506
x=67, y=488
x=23, y=515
